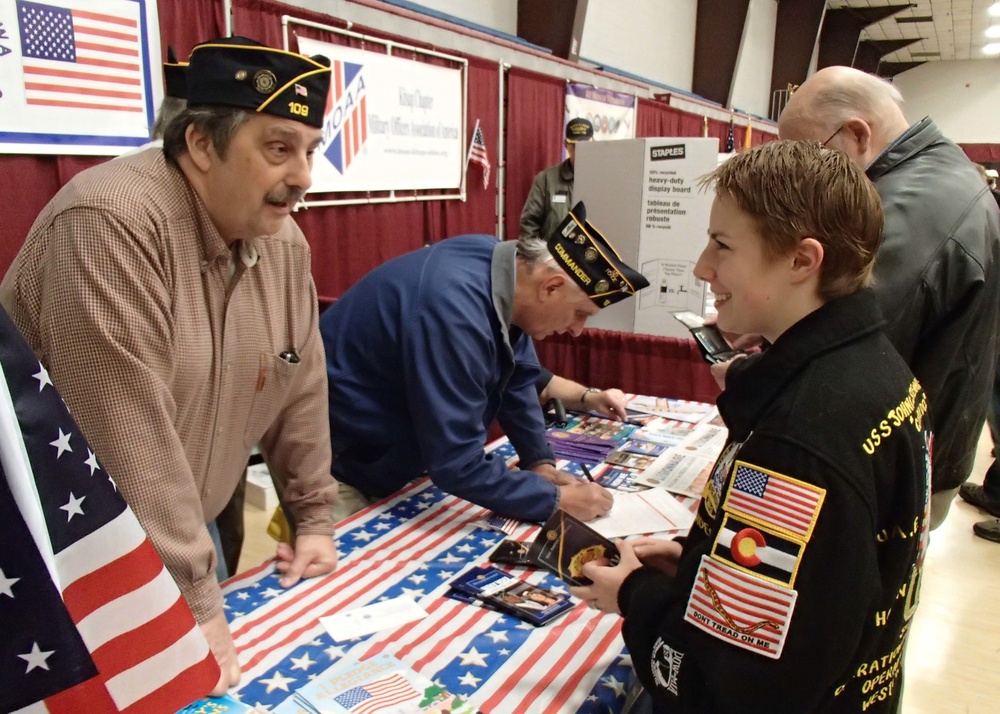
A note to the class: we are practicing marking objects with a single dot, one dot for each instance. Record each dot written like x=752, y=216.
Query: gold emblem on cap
x=601, y=287
x=590, y=255
x=265, y=82
x=241, y=75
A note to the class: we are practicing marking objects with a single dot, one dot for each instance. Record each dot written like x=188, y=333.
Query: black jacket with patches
x=830, y=405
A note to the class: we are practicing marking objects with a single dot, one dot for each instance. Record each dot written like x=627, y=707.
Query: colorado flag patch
x=741, y=609
x=757, y=550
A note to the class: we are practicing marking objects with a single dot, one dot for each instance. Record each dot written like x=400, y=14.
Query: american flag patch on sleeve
x=778, y=500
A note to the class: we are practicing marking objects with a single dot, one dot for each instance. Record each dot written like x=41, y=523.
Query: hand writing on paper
x=313, y=555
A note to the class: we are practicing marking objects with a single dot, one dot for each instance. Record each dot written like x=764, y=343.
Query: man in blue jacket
x=428, y=349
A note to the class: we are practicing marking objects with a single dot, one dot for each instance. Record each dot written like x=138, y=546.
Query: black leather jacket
x=937, y=281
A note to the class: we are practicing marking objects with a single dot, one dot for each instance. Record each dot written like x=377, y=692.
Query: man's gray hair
x=533, y=250
x=219, y=123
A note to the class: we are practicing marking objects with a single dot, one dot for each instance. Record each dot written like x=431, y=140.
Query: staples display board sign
x=643, y=195
x=611, y=113
x=78, y=76
x=391, y=123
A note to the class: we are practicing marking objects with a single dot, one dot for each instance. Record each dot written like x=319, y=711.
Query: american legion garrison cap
x=175, y=76
x=240, y=72
x=590, y=260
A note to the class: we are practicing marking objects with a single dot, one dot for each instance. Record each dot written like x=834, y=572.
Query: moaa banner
x=91, y=619
x=391, y=123
x=78, y=76
x=611, y=113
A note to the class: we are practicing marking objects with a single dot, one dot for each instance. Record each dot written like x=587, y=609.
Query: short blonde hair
x=796, y=189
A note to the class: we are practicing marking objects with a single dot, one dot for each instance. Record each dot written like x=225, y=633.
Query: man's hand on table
x=220, y=640
x=313, y=555
x=607, y=402
x=585, y=500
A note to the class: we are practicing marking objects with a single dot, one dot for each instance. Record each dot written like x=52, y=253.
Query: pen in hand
x=586, y=472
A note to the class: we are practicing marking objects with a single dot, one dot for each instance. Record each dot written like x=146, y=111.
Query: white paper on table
x=652, y=511
x=365, y=620
x=679, y=471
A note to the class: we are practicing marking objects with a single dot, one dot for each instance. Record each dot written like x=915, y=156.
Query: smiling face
x=749, y=286
x=265, y=171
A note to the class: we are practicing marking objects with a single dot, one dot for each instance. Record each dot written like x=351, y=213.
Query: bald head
x=851, y=110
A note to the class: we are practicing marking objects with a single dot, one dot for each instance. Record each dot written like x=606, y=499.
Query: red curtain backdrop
x=641, y=364
x=982, y=153
x=656, y=118
x=535, y=134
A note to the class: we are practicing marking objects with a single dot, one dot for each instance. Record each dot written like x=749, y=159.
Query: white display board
x=643, y=195
x=391, y=123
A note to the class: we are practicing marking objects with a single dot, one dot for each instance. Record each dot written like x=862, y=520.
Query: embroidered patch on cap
x=665, y=664
x=741, y=609
x=757, y=550
x=785, y=503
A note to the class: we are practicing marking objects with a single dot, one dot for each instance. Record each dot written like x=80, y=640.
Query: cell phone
x=709, y=338
x=512, y=552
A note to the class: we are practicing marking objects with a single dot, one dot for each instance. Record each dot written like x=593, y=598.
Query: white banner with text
x=391, y=123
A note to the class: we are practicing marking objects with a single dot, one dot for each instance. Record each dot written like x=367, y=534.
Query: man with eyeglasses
x=937, y=276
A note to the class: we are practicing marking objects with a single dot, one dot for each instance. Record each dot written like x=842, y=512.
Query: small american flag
x=378, y=695
x=301, y=91
x=81, y=59
x=477, y=153
x=784, y=502
x=91, y=620
x=730, y=138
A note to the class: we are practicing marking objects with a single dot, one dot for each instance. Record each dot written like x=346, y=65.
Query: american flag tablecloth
x=414, y=544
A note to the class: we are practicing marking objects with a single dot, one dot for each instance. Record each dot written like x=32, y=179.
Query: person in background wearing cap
x=168, y=295
x=551, y=192
x=425, y=351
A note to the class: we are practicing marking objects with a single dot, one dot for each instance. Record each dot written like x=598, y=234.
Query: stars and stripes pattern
x=76, y=57
x=478, y=155
x=744, y=610
x=378, y=695
x=786, y=503
x=91, y=619
x=414, y=544
x=730, y=138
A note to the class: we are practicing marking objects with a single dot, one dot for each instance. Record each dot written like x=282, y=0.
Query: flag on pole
x=748, y=136
x=730, y=138
x=91, y=619
x=477, y=154
x=704, y=128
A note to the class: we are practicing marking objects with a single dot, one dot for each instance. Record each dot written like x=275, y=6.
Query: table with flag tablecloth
x=413, y=544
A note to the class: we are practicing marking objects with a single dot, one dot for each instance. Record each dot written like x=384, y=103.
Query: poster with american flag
x=78, y=76
x=91, y=619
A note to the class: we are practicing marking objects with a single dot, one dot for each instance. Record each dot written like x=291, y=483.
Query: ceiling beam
x=555, y=24
x=795, y=33
x=717, y=37
x=871, y=52
x=891, y=69
x=842, y=28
